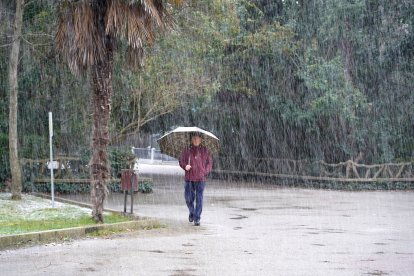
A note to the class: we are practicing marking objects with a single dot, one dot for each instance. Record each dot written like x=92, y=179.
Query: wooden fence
x=74, y=170
x=348, y=171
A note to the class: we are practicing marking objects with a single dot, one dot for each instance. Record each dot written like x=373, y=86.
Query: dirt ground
x=246, y=229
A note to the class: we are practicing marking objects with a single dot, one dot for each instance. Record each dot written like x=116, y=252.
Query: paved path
x=247, y=229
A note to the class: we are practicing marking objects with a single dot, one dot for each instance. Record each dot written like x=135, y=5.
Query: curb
x=9, y=241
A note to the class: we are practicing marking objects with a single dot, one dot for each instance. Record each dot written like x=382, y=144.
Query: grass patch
x=19, y=226
x=33, y=214
x=110, y=232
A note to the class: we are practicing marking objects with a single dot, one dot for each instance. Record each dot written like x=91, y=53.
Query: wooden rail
x=348, y=171
x=318, y=178
x=387, y=171
x=73, y=170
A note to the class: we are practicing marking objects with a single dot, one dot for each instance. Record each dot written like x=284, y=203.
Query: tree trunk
x=99, y=163
x=16, y=185
x=101, y=102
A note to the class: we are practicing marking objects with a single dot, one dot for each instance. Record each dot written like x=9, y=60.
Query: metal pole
x=125, y=199
x=132, y=196
x=52, y=188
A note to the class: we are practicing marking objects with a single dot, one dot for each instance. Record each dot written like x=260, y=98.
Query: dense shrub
x=121, y=158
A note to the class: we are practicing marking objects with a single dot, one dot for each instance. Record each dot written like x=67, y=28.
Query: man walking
x=197, y=162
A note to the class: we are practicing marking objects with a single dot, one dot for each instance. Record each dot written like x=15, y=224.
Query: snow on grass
x=36, y=208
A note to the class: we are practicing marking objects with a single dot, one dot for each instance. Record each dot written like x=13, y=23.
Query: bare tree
x=86, y=36
x=16, y=185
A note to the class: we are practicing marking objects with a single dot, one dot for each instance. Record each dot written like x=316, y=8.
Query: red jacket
x=200, y=160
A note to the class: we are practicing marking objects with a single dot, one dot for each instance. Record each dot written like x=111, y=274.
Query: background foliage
x=328, y=80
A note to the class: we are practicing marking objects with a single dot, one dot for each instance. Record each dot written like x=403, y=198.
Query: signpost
x=51, y=166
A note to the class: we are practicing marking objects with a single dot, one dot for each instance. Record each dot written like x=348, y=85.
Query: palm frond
x=154, y=9
x=81, y=43
x=137, y=22
x=77, y=37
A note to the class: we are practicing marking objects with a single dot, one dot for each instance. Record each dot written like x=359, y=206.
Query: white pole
x=152, y=155
x=52, y=188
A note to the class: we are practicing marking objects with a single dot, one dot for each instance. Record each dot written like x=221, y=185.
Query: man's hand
x=188, y=167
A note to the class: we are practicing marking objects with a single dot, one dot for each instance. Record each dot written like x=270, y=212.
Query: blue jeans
x=193, y=190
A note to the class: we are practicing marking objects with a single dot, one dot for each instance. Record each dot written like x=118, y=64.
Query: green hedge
x=75, y=188
x=120, y=158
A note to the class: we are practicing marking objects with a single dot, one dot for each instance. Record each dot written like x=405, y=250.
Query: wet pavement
x=246, y=229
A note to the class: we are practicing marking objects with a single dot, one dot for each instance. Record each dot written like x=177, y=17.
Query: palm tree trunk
x=16, y=185
x=99, y=163
x=101, y=102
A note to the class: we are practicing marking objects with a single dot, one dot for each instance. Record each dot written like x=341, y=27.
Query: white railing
x=152, y=154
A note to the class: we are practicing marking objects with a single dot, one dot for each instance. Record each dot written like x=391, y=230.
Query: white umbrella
x=175, y=141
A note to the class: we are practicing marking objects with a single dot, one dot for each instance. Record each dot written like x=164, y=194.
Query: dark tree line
x=316, y=80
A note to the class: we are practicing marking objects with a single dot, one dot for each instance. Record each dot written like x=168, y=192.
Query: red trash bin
x=128, y=179
x=129, y=182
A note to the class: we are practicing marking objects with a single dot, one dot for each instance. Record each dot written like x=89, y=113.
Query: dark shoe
x=196, y=223
x=190, y=218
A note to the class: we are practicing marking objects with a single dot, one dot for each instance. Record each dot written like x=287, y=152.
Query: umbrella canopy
x=174, y=142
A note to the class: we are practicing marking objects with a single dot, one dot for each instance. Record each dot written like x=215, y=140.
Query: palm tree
x=86, y=36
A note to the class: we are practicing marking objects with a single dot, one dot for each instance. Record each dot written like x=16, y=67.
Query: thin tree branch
x=33, y=45
x=6, y=45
